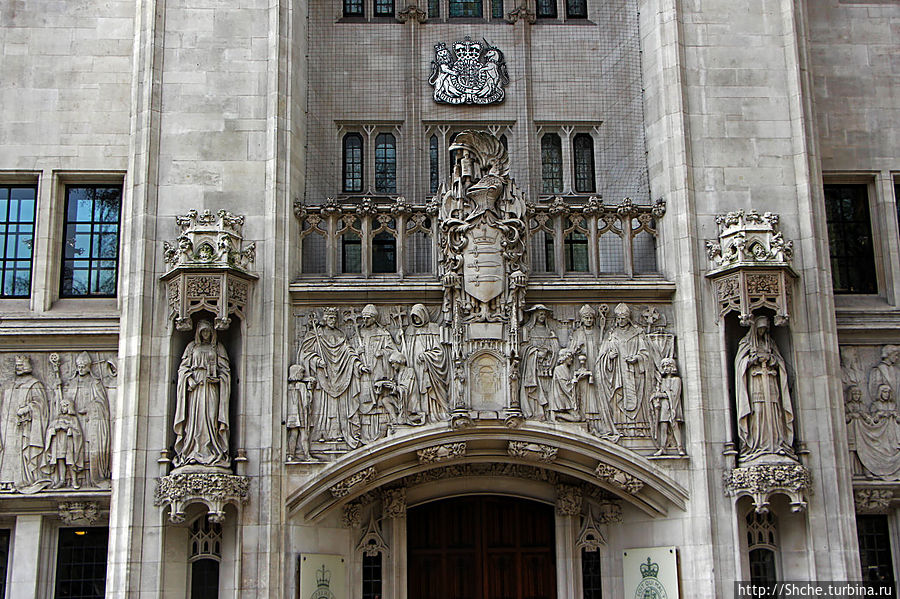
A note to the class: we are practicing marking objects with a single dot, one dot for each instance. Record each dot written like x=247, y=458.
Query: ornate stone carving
x=539, y=354
x=873, y=501
x=208, y=268
x=619, y=478
x=412, y=13
x=475, y=470
x=589, y=538
x=609, y=512
x=202, y=396
x=522, y=12
x=870, y=409
x=372, y=542
x=215, y=490
x=471, y=73
x=393, y=502
x=351, y=516
x=666, y=414
x=361, y=478
x=764, y=412
x=56, y=435
x=568, y=500
x=534, y=452
x=750, y=265
x=761, y=481
x=442, y=453
x=79, y=512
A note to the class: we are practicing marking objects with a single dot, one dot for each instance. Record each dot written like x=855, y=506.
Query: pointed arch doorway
x=481, y=547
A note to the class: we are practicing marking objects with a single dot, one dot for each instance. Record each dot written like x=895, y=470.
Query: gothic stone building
x=463, y=298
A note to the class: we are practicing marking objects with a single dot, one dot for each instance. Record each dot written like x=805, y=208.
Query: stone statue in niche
x=65, y=447
x=202, y=402
x=428, y=357
x=91, y=403
x=626, y=369
x=667, y=417
x=327, y=354
x=764, y=412
x=563, y=398
x=539, y=353
x=28, y=397
x=300, y=389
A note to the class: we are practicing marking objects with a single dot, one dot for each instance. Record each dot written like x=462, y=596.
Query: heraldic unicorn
x=472, y=73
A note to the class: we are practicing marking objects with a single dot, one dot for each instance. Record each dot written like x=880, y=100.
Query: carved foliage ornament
x=619, y=478
x=442, y=453
x=761, y=481
x=213, y=489
x=568, y=500
x=76, y=512
x=361, y=478
x=535, y=452
x=469, y=72
x=873, y=501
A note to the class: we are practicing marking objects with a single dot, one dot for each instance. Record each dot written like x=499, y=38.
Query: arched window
x=551, y=163
x=576, y=9
x=385, y=163
x=433, y=162
x=465, y=8
x=353, y=163
x=546, y=9
x=353, y=8
x=205, y=554
x=583, y=152
x=762, y=547
x=384, y=8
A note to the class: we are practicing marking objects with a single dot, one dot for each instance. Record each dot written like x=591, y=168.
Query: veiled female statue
x=765, y=415
x=201, y=412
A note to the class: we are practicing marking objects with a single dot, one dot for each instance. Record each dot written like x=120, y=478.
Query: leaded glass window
x=590, y=574
x=465, y=8
x=434, y=9
x=433, y=162
x=17, y=205
x=384, y=253
x=385, y=163
x=353, y=8
x=496, y=9
x=81, y=563
x=583, y=151
x=551, y=163
x=353, y=163
x=875, y=549
x=576, y=9
x=384, y=8
x=371, y=576
x=850, y=239
x=761, y=547
x=546, y=9
x=205, y=553
x=91, y=251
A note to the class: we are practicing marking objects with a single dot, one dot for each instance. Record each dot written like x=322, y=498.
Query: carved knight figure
x=541, y=347
x=765, y=414
x=202, y=402
x=667, y=417
x=625, y=368
x=64, y=447
x=563, y=397
x=429, y=359
x=300, y=389
x=28, y=400
x=91, y=403
x=327, y=354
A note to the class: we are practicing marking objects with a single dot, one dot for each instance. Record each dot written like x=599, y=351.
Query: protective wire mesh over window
x=353, y=8
x=551, y=163
x=546, y=9
x=17, y=204
x=850, y=239
x=384, y=8
x=583, y=150
x=81, y=563
x=433, y=162
x=91, y=246
x=576, y=9
x=465, y=8
x=385, y=163
x=353, y=162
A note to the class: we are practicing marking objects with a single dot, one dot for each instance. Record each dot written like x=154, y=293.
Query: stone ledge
x=215, y=490
x=760, y=482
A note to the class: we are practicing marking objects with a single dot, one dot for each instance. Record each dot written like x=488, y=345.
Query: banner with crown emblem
x=650, y=573
x=322, y=576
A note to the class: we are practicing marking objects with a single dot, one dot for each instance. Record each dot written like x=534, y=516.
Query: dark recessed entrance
x=484, y=547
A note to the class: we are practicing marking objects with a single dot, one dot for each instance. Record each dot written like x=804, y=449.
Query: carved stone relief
x=568, y=500
x=471, y=73
x=873, y=501
x=871, y=379
x=761, y=481
x=534, y=452
x=619, y=478
x=79, y=512
x=589, y=537
x=343, y=488
x=442, y=453
x=393, y=502
x=215, y=490
x=55, y=419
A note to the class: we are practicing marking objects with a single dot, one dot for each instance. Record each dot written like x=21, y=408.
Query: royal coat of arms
x=472, y=73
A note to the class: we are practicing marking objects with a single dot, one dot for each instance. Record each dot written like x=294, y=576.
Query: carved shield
x=483, y=271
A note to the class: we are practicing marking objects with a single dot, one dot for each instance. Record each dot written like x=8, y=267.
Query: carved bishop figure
x=92, y=405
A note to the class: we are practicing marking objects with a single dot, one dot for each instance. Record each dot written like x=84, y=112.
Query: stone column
x=26, y=554
x=394, y=511
x=568, y=571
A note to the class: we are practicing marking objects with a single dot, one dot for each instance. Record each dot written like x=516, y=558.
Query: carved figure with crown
x=483, y=270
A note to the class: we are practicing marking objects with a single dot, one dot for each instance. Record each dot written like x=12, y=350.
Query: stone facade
x=296, y=362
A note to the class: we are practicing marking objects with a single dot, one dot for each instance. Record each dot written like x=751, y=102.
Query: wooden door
x=483, y=547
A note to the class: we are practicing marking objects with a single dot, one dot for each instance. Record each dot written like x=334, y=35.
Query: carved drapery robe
x=30, y=413
x=627, y=385
x=562, y=391
x=538, y=358
x=65, y=442
x=336, y=366
x=92, y=404
x=428, y=357
x=203, y=393
x=765, y=415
